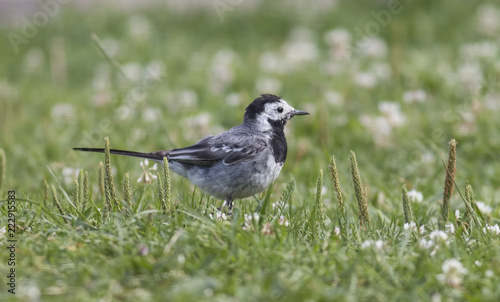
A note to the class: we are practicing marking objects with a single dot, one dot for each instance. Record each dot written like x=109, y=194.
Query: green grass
x=61, y=91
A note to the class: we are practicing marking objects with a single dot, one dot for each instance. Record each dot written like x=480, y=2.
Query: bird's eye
x=280, y=109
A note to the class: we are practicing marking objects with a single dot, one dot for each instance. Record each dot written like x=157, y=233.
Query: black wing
x=213, y=149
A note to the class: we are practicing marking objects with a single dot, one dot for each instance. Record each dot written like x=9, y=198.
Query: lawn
x=404, y=98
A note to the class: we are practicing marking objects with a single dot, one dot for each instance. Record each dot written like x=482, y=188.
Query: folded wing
x=213, y=149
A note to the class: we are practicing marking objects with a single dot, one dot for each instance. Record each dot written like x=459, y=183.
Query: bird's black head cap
x=258, y=105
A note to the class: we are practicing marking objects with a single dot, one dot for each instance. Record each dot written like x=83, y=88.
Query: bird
x=235, y=164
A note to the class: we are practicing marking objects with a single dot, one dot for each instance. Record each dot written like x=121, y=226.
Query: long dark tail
x=158, y=155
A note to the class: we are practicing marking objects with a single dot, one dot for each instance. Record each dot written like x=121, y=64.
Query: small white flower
x=339, y=40
x=333, y=98
x=62, y=110
x=233, y=99
x=268, y=84
x=426, y=244
x=267, y=229
x=372, y=47
x=392, y=112
x=439, y=236
x=70, y=174
x=415, y=196
x=414, y=96
x=147, y=176
x=250, y=221
x=219, y=216
x=492, y=229
x=421, y=230
x=280, y=206
x=457, y=214
x=181, y=259
x=139, y=27
x=484, y=208
x=283, y=221
x=488, y=19
x=379, y=244
x=336, y=231
x=489, y=273
x=3, y=231
x=149, y=115
x=450, y=229
x=470, y=242
x=410, y=226
x=478, y=263
x=453, y=272
x=366, y=244
x=365, y=79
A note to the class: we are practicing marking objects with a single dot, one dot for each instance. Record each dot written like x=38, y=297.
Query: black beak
x=298, y=112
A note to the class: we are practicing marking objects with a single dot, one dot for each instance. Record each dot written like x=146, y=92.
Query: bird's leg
x=229, y=203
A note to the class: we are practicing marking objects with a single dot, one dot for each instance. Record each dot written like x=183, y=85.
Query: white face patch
x=274, y=111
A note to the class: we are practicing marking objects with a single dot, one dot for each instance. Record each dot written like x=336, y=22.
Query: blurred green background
x=392, y=80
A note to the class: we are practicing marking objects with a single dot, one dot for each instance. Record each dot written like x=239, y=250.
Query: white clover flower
x=366, y=244
x=268, y=84
x=339, y=40
x=283, y=221
x=333, y=98
x=181, y=259
x=410, y=226
x=250, y=220
x=392, y=112
x=62, y=110
x=379, y=244
x=439, y=236
x=470, y=242
x=421, y=230
x=147, y=176
x=300, y=47
x=372, y=47
x=280, y=205
x=426, y=244
x=133, y=71
x=365, y=79
x=272, y=62
x=149, y=115
x=219, y=216
x=233, y=99
x=414, y=96
x=336, y=231
x=267, y=229
x=450, y=229
x=70, y=174
x=483, y=207
x=415, y=196
x=139, y=27
x=453, y=272
x=494, y=229
x=488, y=19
